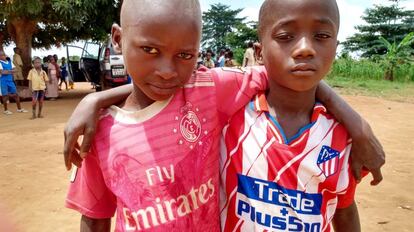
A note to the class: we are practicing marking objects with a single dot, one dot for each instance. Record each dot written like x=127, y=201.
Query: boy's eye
x=185, y=56
x=323, y=36
x=150, y=50
x=283, y=37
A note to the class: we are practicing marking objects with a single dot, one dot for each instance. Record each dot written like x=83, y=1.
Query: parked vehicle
x=97, y=63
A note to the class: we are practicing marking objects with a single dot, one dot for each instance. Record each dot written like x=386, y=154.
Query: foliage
x=391, y=22
x=397, y=54
x=60, y=21
x=218, y=22
x=368, y=70
x=396, y=91
x=238, y=39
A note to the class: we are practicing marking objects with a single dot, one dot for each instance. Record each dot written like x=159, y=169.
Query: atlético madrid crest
x=190, y=126
x=328, y=161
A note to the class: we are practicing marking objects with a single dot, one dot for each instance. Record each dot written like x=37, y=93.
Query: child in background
x=155, y=159
x=8, y=88
x=38, y=79
x=63, y=74
x=285, y=165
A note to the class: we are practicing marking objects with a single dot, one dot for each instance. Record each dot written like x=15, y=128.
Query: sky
x=351, y=12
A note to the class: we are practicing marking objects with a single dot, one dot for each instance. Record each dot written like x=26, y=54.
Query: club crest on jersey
x=328, y=161
x=190, y=126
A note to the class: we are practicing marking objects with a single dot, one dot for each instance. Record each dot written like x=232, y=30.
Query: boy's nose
x=303, y=49
x=167, y=71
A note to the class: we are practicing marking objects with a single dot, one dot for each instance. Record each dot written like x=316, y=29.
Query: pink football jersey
x=158, y=167
x=272, y=183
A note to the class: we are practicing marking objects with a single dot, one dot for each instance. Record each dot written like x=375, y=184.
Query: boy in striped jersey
x=285, y=160
x=154, y=159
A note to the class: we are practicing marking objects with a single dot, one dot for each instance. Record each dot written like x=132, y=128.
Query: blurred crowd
x=225, y=57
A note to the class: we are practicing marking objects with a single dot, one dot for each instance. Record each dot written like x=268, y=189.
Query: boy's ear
x=116, y=36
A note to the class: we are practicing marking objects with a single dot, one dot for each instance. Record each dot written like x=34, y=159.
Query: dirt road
x=33, y=180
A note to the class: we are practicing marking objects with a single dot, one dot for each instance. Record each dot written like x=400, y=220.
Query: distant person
x=8, y=88
x=230, y=62
x=52, y=85
x=63, y=74
x=45, y=63
x=248, y=59
x=18, y=65
x=208, y=61
x=221, y=60
x=38, y=79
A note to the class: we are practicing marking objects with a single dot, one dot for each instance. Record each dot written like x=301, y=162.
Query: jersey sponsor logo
x=190, y=125
x=272, y=207
x=328, y=161
x=272, y=193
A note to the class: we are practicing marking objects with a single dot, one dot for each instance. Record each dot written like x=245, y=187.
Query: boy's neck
x=287, y=101
x=38, y=68
x=137, y=100
x=292, y=109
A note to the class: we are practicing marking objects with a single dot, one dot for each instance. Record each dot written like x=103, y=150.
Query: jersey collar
x=259, y=104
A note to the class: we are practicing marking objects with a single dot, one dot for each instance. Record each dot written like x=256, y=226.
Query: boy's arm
x=347, y=219
x=366, y=149
x=84, y=119
x=95, y=225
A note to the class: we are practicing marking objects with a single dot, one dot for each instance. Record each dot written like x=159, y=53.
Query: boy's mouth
x=303, y=70
x=163, y=89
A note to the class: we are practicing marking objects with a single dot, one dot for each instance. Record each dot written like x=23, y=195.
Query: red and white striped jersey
x=272, y=183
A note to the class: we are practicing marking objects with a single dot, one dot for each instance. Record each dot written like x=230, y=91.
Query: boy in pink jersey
x=285, y=160
x=154, y=159
x=150, y=160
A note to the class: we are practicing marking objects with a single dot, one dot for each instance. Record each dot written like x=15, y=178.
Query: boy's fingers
x=86, y=142
x=76, y=159
x=356, y=171
x=70, y=141
x=377, y=176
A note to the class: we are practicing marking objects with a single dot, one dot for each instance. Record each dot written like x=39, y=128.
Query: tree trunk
x=21, y=31
x=1, y=41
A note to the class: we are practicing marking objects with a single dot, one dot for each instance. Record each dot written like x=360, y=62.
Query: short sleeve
x=88, y=193
x=236, y=87
x=346, y=199
x=29, y=77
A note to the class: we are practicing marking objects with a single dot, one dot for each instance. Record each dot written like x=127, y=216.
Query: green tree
x=397, y=54
x=391, y=22
x=240, y=36
x=43, y=23
x=218, y=21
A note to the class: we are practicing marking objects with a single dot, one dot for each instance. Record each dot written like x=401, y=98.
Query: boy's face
x=37, y=63
x=2, y=56
x=299, y=45
x=160, y=52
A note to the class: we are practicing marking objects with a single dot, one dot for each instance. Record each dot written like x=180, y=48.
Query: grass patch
x=395, y=91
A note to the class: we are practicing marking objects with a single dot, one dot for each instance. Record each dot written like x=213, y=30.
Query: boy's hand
x=367, y=152
x=82, y=122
